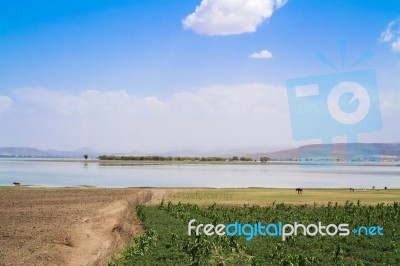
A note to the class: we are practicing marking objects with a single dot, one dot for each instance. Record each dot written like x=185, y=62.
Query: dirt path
x=67, y=226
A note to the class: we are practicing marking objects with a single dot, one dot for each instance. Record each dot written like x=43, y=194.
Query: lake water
x=48, y=173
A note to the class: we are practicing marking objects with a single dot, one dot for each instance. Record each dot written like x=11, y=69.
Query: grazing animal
x=16, y=183
x=299, y=190
x=352, y=189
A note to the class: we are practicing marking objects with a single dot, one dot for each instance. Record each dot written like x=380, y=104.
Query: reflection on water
x=49, y=173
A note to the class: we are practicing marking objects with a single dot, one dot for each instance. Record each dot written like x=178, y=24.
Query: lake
x=61, y=174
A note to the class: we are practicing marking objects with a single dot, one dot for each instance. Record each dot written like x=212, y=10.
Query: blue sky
x=145, y=50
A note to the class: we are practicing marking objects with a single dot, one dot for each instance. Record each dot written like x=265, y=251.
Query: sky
x=161, y=75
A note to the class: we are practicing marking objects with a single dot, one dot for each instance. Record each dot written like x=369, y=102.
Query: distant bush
x=265, y=159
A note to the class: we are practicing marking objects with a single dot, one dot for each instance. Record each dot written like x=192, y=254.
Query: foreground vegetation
x=166, y=241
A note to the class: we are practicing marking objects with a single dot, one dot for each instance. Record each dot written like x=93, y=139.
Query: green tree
x=265, y=159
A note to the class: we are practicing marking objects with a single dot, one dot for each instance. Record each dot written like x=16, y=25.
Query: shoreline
x=240, y=196
x=28, y=186
x=143, y=163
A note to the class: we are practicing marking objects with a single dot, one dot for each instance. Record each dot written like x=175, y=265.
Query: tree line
x=178, y=158
x=160, y=158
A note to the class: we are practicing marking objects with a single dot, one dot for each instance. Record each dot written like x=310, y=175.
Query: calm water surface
x=48, y=173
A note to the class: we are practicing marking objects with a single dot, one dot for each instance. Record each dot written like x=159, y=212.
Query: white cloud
x=390, y=111
x=264, y=54
x=235, y=116
x=392, y=35
x=387, y=34
x=226, y=17
x=396, y=45
x=218, y=116
x=5, y=104
x=280, y=3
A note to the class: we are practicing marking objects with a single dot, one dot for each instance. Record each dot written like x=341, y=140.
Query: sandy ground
x=67, y=226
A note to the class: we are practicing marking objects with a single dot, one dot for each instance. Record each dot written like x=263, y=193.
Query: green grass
x=259, y=196
x=266, y=196
x=169, y=244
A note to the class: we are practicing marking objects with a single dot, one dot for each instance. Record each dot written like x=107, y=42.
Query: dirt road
x=67, y=226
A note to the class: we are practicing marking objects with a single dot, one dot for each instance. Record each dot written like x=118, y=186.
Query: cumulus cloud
x=390, y=111
x=392, y=35
x=396, y=45
x=226, y=17
x=264, y=54
x=213, y=117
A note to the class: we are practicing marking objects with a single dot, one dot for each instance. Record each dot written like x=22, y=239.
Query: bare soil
x=68, y=226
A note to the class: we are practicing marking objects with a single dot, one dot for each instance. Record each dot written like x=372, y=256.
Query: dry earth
x=67, y=226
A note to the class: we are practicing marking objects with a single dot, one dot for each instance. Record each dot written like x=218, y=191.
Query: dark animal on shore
x=351, y=189
x=299, y=190
x=16, y=183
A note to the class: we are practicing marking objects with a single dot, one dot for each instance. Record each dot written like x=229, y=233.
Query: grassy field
x=258, y=196
x=266, y=196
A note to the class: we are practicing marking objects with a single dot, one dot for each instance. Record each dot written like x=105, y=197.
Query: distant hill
x=22, y=152
x=26, y=152
x=339, y=151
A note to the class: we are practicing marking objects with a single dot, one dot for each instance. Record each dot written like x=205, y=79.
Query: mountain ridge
x=28, y=152
x=338, y=151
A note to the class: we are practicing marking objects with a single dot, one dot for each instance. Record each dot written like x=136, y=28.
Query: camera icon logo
x=358, y=93
x=334, y=105
x=340, y=104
